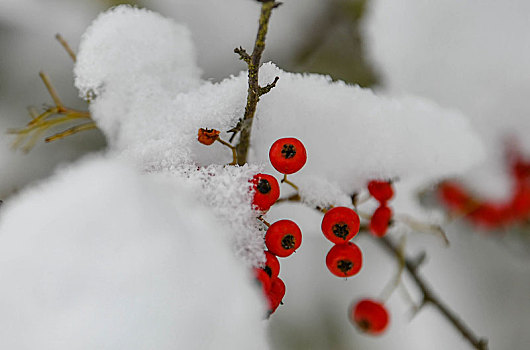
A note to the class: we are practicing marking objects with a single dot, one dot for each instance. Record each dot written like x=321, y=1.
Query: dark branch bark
x=429, y=297
x=254, y=90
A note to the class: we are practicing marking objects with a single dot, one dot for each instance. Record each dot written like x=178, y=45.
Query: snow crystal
x=102, y=257
x=472, y=55
x=227, y=191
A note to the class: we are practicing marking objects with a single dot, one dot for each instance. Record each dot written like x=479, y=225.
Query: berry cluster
x=487, y=214
x=339, y=225
x=283, y=237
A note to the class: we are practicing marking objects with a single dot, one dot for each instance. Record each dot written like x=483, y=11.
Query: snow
x=471, y=55
x=129, y=51
x=103, y=257
x=27, y=30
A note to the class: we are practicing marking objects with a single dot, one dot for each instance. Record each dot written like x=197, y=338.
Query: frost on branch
x=103, y=257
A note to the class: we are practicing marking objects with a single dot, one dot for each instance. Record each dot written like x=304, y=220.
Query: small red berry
x=344, y=260
x=380, y=221
x=340, y=224
x=266, y=191
x=381, y=190
x=489, y=216
x=276, y=294
x=272, y=265
x=283, y=238
x=287, y=155
x=263, y=279
x=454, y=196
x=370, y=316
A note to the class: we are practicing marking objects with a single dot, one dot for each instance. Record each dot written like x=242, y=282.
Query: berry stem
x=422, y=226
x=289, y=182
x=394, y=283
x=254, y=90
x=260, y=218
x=234, y=152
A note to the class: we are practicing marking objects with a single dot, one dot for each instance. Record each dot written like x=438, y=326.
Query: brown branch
x=265, y=89
x=253, y=62
x=430, y=297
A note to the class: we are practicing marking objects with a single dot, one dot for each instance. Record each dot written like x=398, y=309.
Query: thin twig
x=429, y=297
x=289, y=182
x=51, y=91
x=66, y=47
x=234, y=153
x=254, y=90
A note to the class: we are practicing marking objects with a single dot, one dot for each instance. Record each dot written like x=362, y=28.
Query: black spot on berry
x=288, y=151
x=288, y=242
x=345, y=266
x=268, y=270
x=264, y=186
x=341, y=230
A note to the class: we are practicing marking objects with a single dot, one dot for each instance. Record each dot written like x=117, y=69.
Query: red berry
x=381, y=190
x=380, y=221
x=370, y=316
x=340, y=224
x=266, y=191
x=283, y=238
x=454, y=196
x=489, y=216
x=287, y=155
x=272, y=265
x=520, y=203
x=264, y=279
x=276, y=294
x=344, y=260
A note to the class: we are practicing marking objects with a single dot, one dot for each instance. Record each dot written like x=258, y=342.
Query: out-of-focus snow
x=102, y=257
x=27, y=30
x=220, y=26
x=471, y=55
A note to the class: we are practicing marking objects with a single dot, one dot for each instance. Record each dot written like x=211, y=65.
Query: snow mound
x=102, y=257
x=129, y=51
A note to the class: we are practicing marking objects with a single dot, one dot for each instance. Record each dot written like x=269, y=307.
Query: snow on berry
x=340, y=224
x=370, y=316
x=344, y=260
x=266, y=191
x=283, y=237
